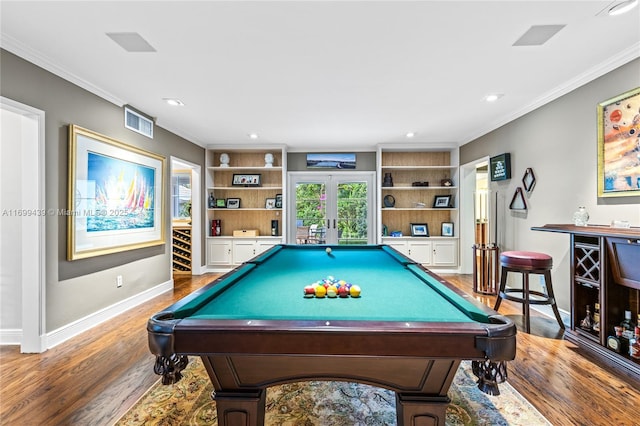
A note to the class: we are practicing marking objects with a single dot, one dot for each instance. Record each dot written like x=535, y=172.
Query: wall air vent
x=137, y=122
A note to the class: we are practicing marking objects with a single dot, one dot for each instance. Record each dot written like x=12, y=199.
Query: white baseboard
x=70, y=330
x=11, y=336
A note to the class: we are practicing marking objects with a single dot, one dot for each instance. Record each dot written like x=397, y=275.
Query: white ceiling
x=318, y=75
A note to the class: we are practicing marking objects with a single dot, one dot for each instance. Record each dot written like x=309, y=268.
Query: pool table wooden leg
x=417, y=410
x=240, y=408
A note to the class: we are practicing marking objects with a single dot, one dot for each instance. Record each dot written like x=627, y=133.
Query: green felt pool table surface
x=393, y=289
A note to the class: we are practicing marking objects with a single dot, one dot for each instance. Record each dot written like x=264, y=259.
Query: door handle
x=334, y=224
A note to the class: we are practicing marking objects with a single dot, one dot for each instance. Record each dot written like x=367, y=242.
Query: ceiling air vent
x=137, y=122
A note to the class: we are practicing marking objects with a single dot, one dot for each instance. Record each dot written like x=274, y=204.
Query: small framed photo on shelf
x=447, y=229
x=246, y=180
x=442, y=201
x=233, y=203
x=278, y=201
x=419, y=230
x=270, y=203
x=221, y=203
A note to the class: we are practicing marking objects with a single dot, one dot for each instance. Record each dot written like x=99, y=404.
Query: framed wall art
x=246, y=180
x=233, y=203
x=447, y=229
x=500, y=167
x=419, y=230
x=618, y=145
x=270, y=203
x=442, y=201
x=115, y=196
x=337, y=160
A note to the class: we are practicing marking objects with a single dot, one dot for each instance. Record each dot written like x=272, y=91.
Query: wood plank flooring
x=95, y=377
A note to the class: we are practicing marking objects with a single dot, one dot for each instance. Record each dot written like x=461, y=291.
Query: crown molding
x=615, y=61
x=25, y=52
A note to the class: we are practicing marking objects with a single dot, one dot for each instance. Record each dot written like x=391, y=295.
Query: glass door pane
x=310, y=212
x=352, y=214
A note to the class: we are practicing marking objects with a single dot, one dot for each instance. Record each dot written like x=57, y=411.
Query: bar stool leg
x=525, y=302
x=552, y=298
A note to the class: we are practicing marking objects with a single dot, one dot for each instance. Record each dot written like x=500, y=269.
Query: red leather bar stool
x=527, y=262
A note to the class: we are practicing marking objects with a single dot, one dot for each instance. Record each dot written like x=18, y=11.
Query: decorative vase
x=388, y=181
x=581, y=217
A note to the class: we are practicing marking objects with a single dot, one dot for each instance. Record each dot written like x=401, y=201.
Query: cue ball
x=328, y=250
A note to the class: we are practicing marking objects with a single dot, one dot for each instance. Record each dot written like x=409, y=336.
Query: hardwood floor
x=95, y=377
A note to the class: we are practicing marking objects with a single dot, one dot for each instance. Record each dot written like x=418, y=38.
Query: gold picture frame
x=619, y=145
x=115, y=196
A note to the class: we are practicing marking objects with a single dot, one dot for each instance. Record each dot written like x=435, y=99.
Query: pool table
x=408, y=331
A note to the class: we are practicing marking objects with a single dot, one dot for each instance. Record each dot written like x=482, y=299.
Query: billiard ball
x=309, y=291
x=354, y=291
x=320, y=291
x=332, y=291
x=343, y=291
x=328, y=250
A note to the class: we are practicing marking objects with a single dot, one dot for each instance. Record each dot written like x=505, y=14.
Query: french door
x=330, y=208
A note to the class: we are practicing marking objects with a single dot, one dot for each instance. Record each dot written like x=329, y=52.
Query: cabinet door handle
x=334, y=224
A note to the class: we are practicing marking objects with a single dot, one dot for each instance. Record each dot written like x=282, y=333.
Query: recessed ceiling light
x=493, y=97
x=410, y=134
x=253, y=135
x=623, y=7
x=173, y=102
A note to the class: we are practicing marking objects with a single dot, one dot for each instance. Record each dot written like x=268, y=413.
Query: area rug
x=317, y=403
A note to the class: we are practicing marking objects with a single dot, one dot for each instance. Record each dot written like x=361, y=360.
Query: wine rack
x=181, y=243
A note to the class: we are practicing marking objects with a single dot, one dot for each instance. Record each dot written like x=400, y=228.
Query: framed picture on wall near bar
x=619, y=145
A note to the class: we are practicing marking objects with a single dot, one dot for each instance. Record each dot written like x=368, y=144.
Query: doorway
x=477, y=215
x=22, y=225
x=185, y=211
x=331, y=208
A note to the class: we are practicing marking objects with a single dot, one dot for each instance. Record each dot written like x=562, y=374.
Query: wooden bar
x=605, y=269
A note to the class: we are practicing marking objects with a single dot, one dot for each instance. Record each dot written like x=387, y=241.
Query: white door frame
x=196, y=215
x=467, y=213
x=338, y=177
x=33, y=242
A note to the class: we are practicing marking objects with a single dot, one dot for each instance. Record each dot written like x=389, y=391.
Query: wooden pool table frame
x=417, y=360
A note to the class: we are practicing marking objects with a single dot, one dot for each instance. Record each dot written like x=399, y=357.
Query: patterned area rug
x=188, y=403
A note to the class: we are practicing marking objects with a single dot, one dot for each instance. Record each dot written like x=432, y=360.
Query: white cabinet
x=243, y=250
x=219, y=251
x=430, y=252
x=445, y=253
x=420, y=251
x=231, y=251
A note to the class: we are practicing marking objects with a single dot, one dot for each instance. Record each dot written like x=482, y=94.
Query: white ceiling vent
x=137, y=122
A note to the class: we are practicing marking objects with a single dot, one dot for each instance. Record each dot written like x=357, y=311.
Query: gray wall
x=79, y=288
x=297, y=162
x=559, y=142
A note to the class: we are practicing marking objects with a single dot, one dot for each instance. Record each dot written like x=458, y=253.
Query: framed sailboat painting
x=115, y=200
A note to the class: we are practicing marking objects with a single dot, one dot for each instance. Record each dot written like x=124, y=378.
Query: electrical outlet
x=119, y=281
